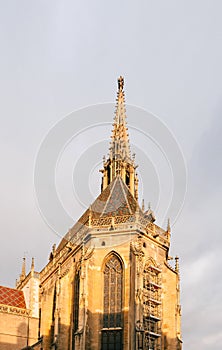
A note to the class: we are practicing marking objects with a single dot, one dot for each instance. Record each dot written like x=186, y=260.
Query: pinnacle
x=120, y=138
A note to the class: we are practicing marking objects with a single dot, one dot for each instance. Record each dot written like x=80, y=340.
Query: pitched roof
x=12, y=297
x=115, y=200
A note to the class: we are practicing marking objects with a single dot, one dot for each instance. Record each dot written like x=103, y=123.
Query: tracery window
x=75, y=307
x=76, y=301
x=112, y=312
x=53, y=317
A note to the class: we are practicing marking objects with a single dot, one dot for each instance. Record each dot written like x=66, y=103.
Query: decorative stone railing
x=77, y=234
x=112, y=220
x=14, y=310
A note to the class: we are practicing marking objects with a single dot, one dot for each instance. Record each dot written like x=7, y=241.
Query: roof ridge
x=121, y=184
x=111, y=191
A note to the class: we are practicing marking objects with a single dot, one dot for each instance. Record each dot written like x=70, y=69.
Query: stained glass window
x=112, y=313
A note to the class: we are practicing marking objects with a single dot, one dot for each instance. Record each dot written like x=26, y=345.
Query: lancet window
x=112, y=300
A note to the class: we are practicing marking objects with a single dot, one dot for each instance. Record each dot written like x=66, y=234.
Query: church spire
x=119, y=147
x=119, y=162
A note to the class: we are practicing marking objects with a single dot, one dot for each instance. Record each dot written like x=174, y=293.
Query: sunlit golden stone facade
x=108, y=285
x=19, y=312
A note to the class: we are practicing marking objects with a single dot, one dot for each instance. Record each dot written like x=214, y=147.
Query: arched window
x=53, y=317
x=76, y=301
x=76, y=294
x=109, y=174
x=112, y=312
x=127, y=178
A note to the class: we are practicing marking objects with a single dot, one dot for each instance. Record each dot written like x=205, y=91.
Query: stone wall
x=16, y=327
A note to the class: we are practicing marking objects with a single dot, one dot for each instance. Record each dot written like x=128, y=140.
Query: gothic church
x=108, y=285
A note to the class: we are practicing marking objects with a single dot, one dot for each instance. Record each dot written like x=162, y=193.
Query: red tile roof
x=12, y=297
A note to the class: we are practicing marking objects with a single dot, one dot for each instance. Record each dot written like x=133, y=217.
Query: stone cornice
x=14, y=310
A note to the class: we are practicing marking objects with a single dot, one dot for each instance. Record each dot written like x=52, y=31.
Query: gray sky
x=59, y=56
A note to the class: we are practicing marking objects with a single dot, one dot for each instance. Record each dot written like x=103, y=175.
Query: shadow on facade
x=19, y=338
x=96, y=337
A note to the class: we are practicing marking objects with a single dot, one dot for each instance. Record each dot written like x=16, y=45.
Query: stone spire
x=168, y=226
x=119, y=162
x=119, y=147
x=33, y=264
x=23, y=273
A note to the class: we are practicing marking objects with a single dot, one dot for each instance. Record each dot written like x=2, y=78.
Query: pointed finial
x=143, y=205
x=149, y=206
x=177, y=268
x=119, y=146
x=168, y=226
x=120, y=83
x=23, y=274
x=53, y=249
x=33, y=264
